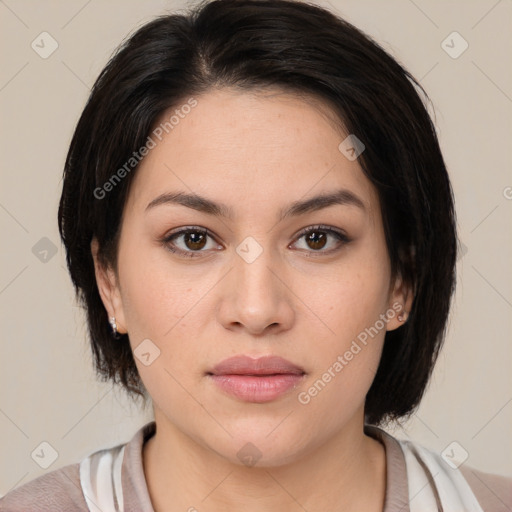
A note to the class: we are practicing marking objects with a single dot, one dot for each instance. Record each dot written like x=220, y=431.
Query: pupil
x=318, y=240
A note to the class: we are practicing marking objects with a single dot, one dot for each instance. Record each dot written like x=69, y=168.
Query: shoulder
x=453, y=479
x=57, y=490
x=430, y=478
x=494, y=492
x=113, y=475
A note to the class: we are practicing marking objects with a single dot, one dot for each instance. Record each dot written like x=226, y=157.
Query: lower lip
x=251, y=388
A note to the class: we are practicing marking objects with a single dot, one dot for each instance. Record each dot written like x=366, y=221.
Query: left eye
x=318, y=238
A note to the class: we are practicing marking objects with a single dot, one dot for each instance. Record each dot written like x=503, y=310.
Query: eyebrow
x=339, y=197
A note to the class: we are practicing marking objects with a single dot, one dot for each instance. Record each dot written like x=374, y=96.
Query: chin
x=255, y=447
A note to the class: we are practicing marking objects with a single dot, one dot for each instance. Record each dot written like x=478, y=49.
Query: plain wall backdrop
x=48, y=391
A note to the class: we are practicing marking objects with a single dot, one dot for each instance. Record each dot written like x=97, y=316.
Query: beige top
x=61, y=489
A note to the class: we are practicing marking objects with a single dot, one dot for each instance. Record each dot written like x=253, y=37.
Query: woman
x=260, y=225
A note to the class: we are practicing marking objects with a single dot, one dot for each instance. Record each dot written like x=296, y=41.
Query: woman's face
x=256, y=284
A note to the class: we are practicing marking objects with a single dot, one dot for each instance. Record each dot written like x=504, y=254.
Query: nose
x=254, y=299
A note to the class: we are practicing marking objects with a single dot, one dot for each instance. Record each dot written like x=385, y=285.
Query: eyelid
x=322, y=227
x=186, y=229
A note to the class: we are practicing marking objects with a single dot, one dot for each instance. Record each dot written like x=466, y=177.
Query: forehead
x=252, y=149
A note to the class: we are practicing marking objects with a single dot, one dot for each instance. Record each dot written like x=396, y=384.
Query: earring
x=402, y=317
x=113, y=325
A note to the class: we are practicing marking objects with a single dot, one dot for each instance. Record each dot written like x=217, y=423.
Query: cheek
x=158, y=296
x=337, y=392
x=348, y=300
x=170, y=308
x=351, y=336
x=347, y=354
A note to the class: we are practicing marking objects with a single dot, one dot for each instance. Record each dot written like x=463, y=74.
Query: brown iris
x=195, y=240
x=316, y=240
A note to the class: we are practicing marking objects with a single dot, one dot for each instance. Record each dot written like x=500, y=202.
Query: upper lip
x=266, y=365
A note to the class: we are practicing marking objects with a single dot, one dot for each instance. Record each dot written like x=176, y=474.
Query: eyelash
x=341, y=236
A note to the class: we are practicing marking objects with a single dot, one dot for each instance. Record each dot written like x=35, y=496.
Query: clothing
x=414, y=475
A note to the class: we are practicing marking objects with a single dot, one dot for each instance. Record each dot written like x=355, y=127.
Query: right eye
x=189, y=241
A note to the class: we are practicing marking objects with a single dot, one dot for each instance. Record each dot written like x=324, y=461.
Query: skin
x=256, y=153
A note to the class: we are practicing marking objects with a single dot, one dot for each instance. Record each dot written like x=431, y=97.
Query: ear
x=108, y=288
x=400, y=303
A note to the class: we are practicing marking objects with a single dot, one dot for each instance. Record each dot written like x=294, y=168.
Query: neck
x=348, y=470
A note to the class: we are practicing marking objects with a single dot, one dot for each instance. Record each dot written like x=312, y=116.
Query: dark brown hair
x=300, y=48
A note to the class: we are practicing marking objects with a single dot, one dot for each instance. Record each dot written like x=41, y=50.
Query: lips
x=266, y=365
x=256, y=380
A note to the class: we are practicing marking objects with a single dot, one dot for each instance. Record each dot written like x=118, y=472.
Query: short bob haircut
x=302, y=49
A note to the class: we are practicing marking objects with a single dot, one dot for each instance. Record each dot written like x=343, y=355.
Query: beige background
x=48, y=391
